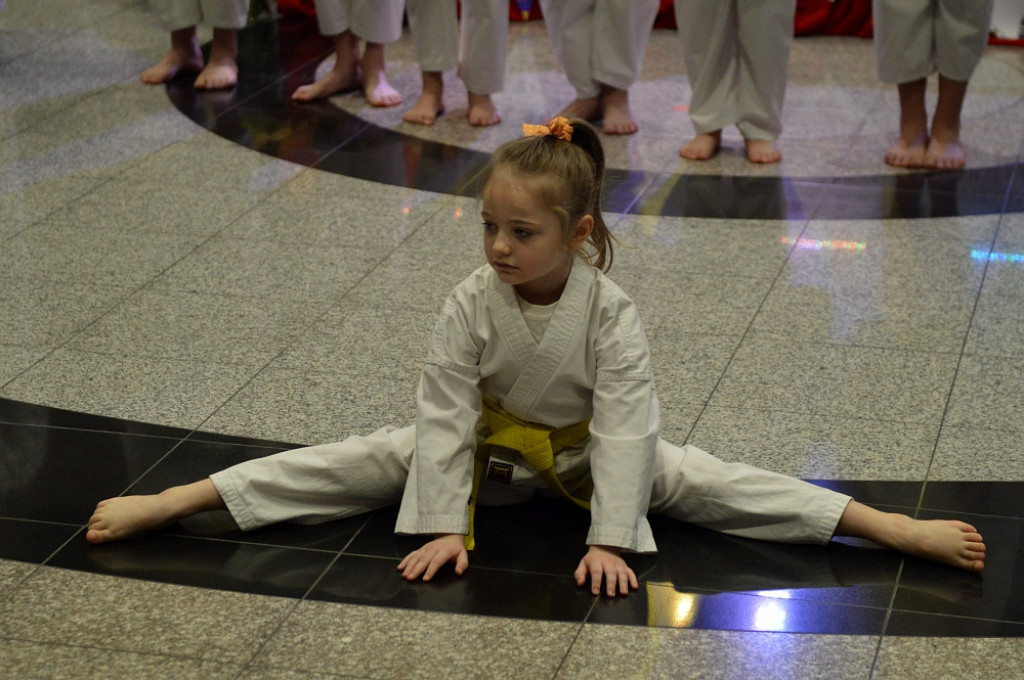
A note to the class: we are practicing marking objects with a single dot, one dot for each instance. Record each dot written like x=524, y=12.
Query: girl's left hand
x=604, y=562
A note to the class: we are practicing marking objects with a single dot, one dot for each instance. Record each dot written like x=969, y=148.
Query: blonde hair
x=573, y=176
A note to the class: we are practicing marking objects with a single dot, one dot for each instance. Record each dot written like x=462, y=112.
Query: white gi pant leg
x=377, y=21
x=478, y=49
x=914, y=38
x=599, y=41
x=319, y=483
x=693, y=486
x=175, y=15
x=736, y=54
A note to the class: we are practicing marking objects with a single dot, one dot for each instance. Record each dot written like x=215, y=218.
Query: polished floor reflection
x=192, y=280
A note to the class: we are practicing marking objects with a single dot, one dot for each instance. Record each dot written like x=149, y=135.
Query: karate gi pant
x=331, y=481
x=478, y=49
x=914, y=38
x=175, y=15
x=600, y=42
x=737, y=58
x=377, y=21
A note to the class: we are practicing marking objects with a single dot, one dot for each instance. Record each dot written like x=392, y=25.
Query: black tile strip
x=526, y=553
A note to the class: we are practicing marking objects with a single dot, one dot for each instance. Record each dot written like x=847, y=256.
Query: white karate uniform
x=377, y=21
x=914, y=38
x=175, y=15
x=478, y=49
x=737, y=57
x=600, y=41
x=591, y=363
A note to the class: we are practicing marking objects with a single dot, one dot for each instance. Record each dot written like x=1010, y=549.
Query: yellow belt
x=537, y=444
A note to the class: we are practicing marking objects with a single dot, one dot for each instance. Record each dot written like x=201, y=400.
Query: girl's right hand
x=434, y=555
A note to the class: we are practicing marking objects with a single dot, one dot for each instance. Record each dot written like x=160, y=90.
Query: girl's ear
x=581, y=232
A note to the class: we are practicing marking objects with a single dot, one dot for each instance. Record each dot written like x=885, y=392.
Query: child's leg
x=945, y=152
x=483, y=38
x=430, y=104
x=343, y=76
x=118, y=518
x=908, y=151
x=222, y=70
x=308, y=485
x=949, y=541
x=482, y=111
x=702, y=147
x=710, y=53
x=762, y=151
x=375, y=82
x=618, y=119
x=183, y=57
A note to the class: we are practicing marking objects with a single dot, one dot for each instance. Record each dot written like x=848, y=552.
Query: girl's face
x=524, y=241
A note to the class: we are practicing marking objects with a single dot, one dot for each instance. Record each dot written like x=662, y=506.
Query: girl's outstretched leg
x=948, y=541
x=118, y=518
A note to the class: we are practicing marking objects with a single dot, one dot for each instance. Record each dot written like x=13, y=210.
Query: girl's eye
x=489, y=226
x=523, y=233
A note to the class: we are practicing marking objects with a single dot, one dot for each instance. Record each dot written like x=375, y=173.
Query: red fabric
x=296, y=6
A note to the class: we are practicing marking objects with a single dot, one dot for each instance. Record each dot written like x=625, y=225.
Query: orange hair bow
x=558, y=127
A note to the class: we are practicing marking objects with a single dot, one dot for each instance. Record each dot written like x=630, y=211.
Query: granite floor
x=188, y=281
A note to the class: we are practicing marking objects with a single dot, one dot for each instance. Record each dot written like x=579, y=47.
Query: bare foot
x=585, y=109
x=376, y=87
x=118, y=518
x=618, y=119
x=338, y=79
x=218, y=75
x=943, y=540
x=762, y=151
x=482, y=111
x=944, y=155
x=702, y=147
x=430, y=104
x=907, y=153
x=174, y=62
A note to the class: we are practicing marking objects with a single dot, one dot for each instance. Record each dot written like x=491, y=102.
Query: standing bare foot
x=343, y=76
x=702, y=147
x=762, y=151
x=482, y=111
x=222, y=69
x=585, y=109
x=376, y=87
x=944, y=152
x=430, y=105
x=907, y=153
x=183, y=57
x=618, y=119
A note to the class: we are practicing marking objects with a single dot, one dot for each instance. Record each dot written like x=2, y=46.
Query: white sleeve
x=448, y=409
x=624, y=431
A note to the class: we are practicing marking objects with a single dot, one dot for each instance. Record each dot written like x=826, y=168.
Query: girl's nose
x=501, y=243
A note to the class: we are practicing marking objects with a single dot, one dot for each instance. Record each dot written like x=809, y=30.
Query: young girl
x=537, y=353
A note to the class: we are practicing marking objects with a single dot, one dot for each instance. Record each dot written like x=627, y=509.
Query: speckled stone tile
x=197, y=327
x=987, y=394
x=218, y=162
x=270, y=269
x=135, y=206
x=922, y=658
x=24, y=207
x=968, y=453
x=328, y=210
x=288, y=674
x=15, y=359
x=997, y=328
x=12, y=574
x=1011, y=233
x=660, y=246
x=661, y=654
x=73, y=608
x=828, y=380
x=910, y=239
x=817, y=447
x=163, y=391
x=386, y=643
x=44, y=314
x=688, y=366
x=22, y=659
x=84, y=254
x=311, y=407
